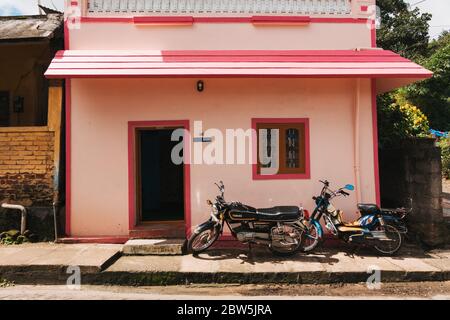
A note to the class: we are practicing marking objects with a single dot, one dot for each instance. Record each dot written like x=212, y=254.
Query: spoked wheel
x=311, y=238
x=391, y=246
x=287, y=244
x=202, y=240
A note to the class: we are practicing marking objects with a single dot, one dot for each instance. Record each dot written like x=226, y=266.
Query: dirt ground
x=422, y=289
x=406, y=290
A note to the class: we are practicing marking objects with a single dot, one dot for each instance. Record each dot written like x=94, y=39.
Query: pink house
x=303, y=73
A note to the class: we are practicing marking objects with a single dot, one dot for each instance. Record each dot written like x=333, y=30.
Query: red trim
x=66, y=36
x=68, y=106
x=339, y=20
x=273, y=19
x=375, y=141
x=249, y=76
x=132, y=126
x=226, y=53
x=106, y=19
x=364, y=8
x=68, y=156
x=255, y=175
x=373, y=34
x=280, y=19
x=184, y=20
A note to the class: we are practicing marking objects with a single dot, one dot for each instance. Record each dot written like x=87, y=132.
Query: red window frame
x=256, y=122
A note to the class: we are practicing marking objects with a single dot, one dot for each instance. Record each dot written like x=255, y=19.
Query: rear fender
x=390, y=218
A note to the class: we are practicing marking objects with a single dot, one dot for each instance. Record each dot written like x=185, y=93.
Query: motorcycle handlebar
x=325, y=182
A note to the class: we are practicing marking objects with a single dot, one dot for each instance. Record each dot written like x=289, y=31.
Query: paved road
x=422, y=290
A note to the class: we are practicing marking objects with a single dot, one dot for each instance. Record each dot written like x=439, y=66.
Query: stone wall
x=413, y=170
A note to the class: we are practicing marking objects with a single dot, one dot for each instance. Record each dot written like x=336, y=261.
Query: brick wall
x=26, y=166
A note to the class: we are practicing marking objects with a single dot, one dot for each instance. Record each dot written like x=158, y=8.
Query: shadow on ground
x=260, y=254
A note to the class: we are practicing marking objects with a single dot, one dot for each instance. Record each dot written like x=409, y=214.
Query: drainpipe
x=357, y=140
x=23, y=220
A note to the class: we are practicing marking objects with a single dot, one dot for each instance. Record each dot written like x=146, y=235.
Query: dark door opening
x=161, y=181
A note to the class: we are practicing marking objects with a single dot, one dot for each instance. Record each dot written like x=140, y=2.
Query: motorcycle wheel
x=203, y=239
x=291, y=250
x=311, y=238
x=390, y=247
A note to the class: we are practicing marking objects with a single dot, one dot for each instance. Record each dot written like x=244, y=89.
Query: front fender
x=318, y=227
x=205, y=225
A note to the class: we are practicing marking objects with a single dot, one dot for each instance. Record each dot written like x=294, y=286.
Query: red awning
x=393, y=70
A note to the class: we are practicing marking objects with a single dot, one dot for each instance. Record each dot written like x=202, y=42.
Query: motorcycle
x=379, y=228
x=280, y=228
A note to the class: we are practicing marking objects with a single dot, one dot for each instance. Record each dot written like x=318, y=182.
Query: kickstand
x=250, y=253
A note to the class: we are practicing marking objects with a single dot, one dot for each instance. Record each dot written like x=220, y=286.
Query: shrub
x=399, y=119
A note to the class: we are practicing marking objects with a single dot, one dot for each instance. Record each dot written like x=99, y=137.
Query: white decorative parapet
x=220, y=7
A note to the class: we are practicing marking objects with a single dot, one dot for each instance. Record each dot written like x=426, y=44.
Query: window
x=282, y=149
x=4, y=108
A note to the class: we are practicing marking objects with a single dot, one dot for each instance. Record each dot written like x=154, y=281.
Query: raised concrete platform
x=31, y=262
x=159, y=247
x=102, y=264
x=238, y=266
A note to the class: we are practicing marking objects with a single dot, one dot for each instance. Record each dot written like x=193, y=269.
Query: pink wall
x=220, y=36
x=102, y=108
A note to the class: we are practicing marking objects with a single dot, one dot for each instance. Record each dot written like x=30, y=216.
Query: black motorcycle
x=280, y=228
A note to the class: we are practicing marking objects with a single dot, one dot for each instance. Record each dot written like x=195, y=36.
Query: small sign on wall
x=202, y=138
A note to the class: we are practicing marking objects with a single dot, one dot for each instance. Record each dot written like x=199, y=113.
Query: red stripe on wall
x=205, y=19
x=68, y=105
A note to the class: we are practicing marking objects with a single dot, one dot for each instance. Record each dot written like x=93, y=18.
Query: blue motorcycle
x=381, y=229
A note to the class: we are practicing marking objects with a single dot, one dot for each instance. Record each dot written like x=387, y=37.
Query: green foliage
x=14, y=237
x=445, y=149
x=403, y=31
x=5, y=283
x=433, y=95
x=399, y=119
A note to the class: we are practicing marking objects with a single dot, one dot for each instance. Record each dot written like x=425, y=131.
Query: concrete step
x=160, y=247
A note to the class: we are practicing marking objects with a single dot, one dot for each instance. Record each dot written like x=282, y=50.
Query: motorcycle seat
x=279, y=213
x=368, y=208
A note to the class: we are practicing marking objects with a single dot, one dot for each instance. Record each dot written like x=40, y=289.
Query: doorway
x=160, y=181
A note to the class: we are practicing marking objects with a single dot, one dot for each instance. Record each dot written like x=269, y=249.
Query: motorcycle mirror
x=349, y=187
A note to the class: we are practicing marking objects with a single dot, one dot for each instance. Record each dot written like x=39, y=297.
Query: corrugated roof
x=30, y=27
x=389, y=69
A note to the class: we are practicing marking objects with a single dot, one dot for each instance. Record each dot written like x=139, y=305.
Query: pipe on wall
x=23, y=219
x=357, y=140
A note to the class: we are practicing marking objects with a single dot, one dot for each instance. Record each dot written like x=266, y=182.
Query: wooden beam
x=55, y=100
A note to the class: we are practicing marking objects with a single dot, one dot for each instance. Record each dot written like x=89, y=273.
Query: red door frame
x=132, y=126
